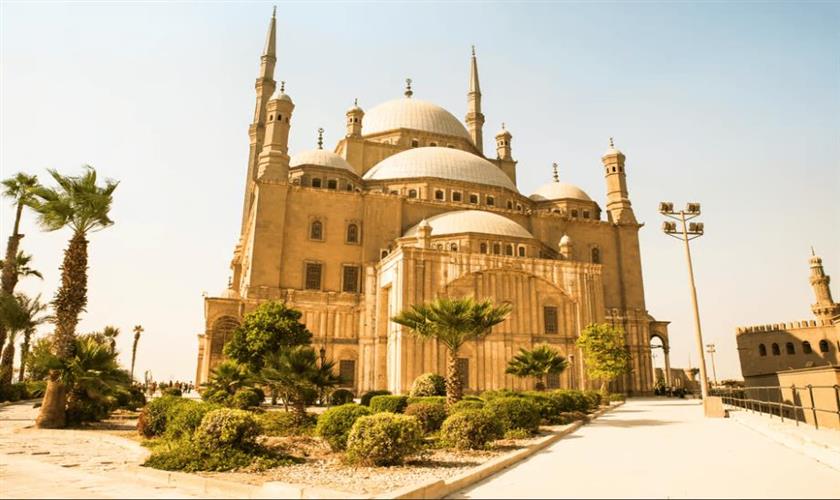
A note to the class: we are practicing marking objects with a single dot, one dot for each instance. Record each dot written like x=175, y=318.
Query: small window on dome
x=519, y=207
x=497, y=249
x=439, y=246
x=510, y=205
x=522, y=251
x=456, y=196
x=473, y=198
x=412, y=193
x=450, y=145
x=482, y=248
x=433, y=144
x=453, y=247
x=491, y=201
x=574, y=212
x=349, y=186
x=415, y=143
x=332, y=184
x=270, y=117
x=439, y=195
x=509, y=250
x=586, y=214
x=383, y=253
x=316, y=183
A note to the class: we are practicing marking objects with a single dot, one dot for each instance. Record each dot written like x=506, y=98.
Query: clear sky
x=734, y=105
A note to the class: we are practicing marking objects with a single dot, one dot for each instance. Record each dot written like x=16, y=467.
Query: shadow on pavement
x=639, y=422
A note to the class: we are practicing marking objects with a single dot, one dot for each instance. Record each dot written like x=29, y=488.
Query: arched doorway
x=660, y=361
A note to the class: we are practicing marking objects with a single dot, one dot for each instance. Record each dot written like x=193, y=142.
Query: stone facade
x=407, y=208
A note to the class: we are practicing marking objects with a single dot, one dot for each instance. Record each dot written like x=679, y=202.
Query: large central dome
x=441, y=163
x=412, y=114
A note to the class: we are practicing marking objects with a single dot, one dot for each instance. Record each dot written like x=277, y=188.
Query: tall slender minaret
x=619, y=210
x=475, y=118
x=825, y=308
x=264, y=86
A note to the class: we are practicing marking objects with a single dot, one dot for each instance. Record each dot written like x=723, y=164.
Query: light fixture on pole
x=710, y=348
x=686, y=233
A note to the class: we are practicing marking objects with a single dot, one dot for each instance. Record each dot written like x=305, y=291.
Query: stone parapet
x=780, y=327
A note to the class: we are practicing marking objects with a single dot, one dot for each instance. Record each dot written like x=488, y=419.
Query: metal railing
x=785, y=401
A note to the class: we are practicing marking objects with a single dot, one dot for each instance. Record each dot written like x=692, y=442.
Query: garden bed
x=324, y=469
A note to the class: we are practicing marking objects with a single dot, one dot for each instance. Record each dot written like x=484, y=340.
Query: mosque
x=409, y=206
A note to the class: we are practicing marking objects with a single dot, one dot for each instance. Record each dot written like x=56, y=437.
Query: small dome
x=442, y=163
x=413, y=114
x=502, y=133
x=559, y=191
x=612, y=150
x=320, y=158
x=472, y=221
x=280, y=95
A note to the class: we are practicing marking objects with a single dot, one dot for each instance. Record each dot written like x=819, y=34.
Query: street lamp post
x=710, y=348
x=687, y=233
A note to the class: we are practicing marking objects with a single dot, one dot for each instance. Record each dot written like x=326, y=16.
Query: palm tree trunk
x=134, y=353
x=6, y=362
x=9, y=277
x=24, y=353
x=453, y=379
x=70, y=300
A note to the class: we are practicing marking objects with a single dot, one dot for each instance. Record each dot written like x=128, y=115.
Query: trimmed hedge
x=501, y=393
x=428, y=384
x=156, y=415
x=469, y=430
x=283, y=423
x=228, y=428
x=14, y=392
x=393, y=404
x=430, y=415
x=515, y=413
x=247, y=397
x=366, y=397
x=341, y=397
x=384, y=439
x=440, y=400
x=466, y=405
x=334, y=424
x=184, y=419
x=594, y=399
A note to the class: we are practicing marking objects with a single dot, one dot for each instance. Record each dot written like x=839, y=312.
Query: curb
x=440, y=488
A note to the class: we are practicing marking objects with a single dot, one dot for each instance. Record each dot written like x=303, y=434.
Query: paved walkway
x=71, y=463
x=663, y=449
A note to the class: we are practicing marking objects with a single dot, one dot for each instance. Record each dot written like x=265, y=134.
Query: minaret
x=503, y=151
x=475, y=118
x=619, y=210
x=354, y=120
x=264, y=86
x=273, y=164
x=825, y=308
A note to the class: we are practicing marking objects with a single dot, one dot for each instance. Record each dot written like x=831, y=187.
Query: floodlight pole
x=704, y=380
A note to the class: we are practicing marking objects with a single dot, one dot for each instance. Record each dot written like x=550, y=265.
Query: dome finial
x=320, y=138
x=612, y=145
x=503, y=126
x=473, y=50
x=274, y=12
x=282, y=85
x=554, y=174
x=812, y=251
x=408, y=91
x=356, y=101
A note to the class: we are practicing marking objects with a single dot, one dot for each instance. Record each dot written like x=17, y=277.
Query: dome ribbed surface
x=559, y=191
x=321, y=158
x=412, y=114
x=472, y=221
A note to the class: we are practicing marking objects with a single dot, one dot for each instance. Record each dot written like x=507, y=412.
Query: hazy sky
x=736, y=106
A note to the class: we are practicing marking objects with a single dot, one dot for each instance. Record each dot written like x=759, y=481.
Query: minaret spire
x=475, y=118
x=824, y=308
x=554, y=174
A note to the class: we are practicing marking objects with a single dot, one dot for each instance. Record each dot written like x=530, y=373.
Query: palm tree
x=453, y=322
x=137, y=331
x=14, y=319
x=20, y=189
x=21, y=266
x=296, y=373
x=80, y=204
x=538, y=363
x=33, y=311
x=110, y=333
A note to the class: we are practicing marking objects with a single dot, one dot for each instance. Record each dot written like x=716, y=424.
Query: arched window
x=522, y=251
x=482, y=248
x=789, y=348
x=596, y=255
x=806, y=347
x=510, y=205
x=508, y=249
x=497, y=249
x=762, y=351
x=456, y=196
x=412, y=193
x=491, y=201
x=433, y=144
x=574, y=212
x=383, y=253
x=316, y=230
x=332, y=184
x=439, y=195
x=316, y=183
x=352, y=233
x=473, y=198
x=776, y=350
x=415, y=143
x=453, y=247
x=823, y=345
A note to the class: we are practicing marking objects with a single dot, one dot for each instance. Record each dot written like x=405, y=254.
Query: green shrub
x=13, y=392
x=188, y=456
x=593, y=398
x=517, y=434
x=156, y=415
x=616, y=397
x=550, y=407
x=570, y=400
x=393, y=404
x=384, y=439
x=430, y=415
x=471, y=397
x=84, y=409
x=228, y=428
x=341, y=397
x=514, y=413
x=464, y=405
x=428, y=384
x=334, y=424
x=501, y=393
x=214, y=395
x=247, y=397
x=440, y=400
x=469, y=429
x=171, y=391
x=184, y=419
x=37, y=388
x=284, y=423
x=366, y=397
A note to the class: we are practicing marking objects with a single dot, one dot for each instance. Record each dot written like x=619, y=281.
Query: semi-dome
x=442, y=163
x=472, y=221
x=412, y=114
x=559, y=191
x=320, y=158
